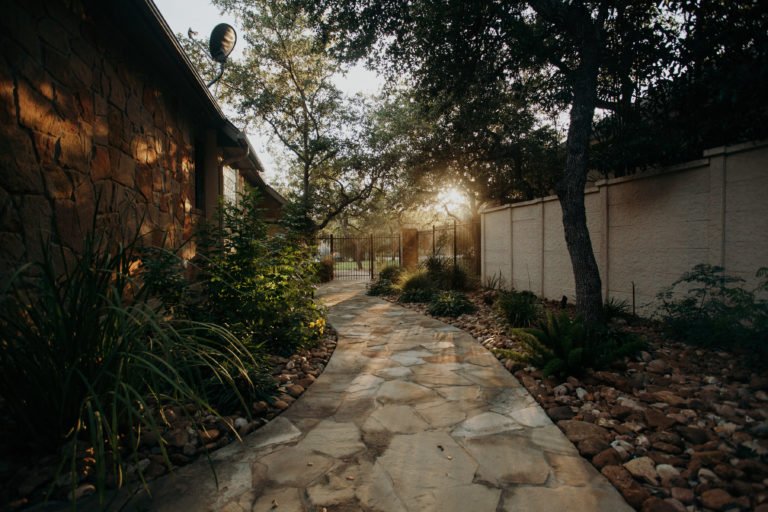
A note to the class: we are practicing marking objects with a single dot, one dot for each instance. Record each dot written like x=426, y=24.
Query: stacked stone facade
x=88, y=130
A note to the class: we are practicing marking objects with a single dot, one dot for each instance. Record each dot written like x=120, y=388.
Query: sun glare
x=451, y=199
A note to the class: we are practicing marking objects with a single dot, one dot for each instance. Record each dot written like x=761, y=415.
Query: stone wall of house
x=86, y=131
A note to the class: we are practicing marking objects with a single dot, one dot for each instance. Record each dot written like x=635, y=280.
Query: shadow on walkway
x=410, y=415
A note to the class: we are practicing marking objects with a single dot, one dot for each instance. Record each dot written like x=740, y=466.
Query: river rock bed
x=678, y=428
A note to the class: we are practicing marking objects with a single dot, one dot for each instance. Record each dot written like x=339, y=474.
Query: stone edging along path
x=410, y=414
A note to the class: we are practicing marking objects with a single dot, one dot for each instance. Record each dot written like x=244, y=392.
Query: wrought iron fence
x=458, y=242
x=359, y=257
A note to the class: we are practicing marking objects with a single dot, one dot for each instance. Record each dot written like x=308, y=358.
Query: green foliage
x=381, y=287
x=615, y=308
x=416, y=280
x=162, y=272
x=445, y=275
x=494, y=282
x=284, y=84
x=391, y=273
x=563, y=346
x=519, y=309
x=325, y=269
x=707, y=307
x=85, y=357
x=258, y=285
x=450, y=303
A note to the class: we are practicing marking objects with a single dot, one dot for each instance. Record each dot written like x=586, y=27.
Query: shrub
x=459, y=279
x=563, y=346
x=162, y=273
x=614, y=308
x=417, y=295
x=260, y=286
x=85, y=357
x=324, y=269
x=519, y=309
x=416, y=280
x=451, y=304
x=390, y=273
x=707, y=307
x=381, y=287
x=494, y=282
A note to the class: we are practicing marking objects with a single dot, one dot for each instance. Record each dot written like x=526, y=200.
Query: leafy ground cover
x=123, y=361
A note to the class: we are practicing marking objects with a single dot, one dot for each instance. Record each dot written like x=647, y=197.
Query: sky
x=201, y=16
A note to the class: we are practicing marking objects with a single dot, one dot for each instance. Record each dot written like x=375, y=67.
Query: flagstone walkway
x=410, y=415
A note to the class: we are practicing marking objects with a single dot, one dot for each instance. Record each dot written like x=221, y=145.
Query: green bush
x=707, y=307
x=416, y=280
x=519, y=309
x=325, y=269
x=614, y=308
x=417, y=295
x=451, y=304
x=445, y=275
x=564, y=347
x=162, y=273
x=260, y=286
x=390, y=273
x=381, y=287
x=86, y=358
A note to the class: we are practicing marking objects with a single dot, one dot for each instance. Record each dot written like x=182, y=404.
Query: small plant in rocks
x=450, y=304
x=565, y=346
x=519, y=309
x=707, y=307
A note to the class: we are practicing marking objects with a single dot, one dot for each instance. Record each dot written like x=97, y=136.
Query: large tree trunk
x=570, y=191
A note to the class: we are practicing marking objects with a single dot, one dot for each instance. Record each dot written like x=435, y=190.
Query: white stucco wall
x=497, y=250
x=646, y=229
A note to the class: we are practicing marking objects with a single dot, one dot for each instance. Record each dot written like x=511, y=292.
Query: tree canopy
x=284, y=84
x=485, y=57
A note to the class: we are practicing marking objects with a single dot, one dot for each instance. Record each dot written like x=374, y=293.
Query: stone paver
x=410, y=415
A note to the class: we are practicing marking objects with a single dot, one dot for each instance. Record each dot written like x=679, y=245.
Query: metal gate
x=359, y=257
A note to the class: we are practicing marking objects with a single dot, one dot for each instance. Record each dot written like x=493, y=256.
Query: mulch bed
x=677, y=428
x=25, y=482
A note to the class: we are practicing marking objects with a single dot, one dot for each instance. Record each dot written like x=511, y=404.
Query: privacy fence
x=646, y=229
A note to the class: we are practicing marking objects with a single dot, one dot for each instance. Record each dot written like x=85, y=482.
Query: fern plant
x=563, y=346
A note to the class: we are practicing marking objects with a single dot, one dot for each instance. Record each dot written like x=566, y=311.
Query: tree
x=714, y=92
x=284, y=84
x=555, y=53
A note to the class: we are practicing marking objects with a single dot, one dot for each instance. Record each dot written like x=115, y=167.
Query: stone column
x=410, y=248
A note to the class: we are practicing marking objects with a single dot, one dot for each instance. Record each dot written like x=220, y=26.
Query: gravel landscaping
x=676, y=428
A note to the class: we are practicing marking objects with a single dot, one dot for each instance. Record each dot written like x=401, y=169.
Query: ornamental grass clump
x=416, y=286
x=519, y=309
x=87, y=360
